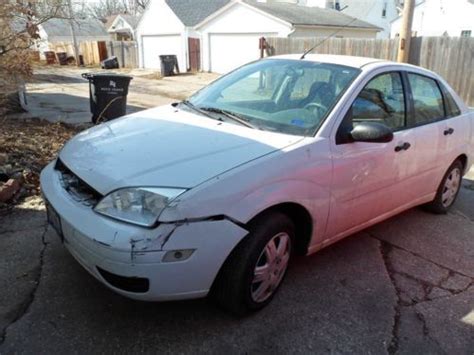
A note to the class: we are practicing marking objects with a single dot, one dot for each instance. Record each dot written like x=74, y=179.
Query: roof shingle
x=192, y=12
x=61, y=27
x=311, y=16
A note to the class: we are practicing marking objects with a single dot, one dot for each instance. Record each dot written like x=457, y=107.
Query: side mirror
x=372, y=132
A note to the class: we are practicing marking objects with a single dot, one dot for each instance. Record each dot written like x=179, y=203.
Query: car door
x=457, y=131
x=427, y=115
x=367, y=177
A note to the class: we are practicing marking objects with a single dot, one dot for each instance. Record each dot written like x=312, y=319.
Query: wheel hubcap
x=271, y=267
x=451, y=187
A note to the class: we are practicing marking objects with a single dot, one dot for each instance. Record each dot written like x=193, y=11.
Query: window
x=466, y=33
x=427, y=99
x=384, y=10
x=309, y=80
x=382, y=100
x=280, y=95
x=333, y=4
x=259, y=86
x=452, y=108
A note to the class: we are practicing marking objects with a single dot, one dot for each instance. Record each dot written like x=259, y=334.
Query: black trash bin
x=62, y=58
x=168, y=64
x=108, y=95
x=110, y=63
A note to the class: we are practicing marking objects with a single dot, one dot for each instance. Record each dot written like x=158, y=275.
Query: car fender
x=315, y=198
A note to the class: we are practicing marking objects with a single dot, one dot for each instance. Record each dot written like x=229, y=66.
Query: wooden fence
x=88, y=49
x=452, y=58
x=126, y=53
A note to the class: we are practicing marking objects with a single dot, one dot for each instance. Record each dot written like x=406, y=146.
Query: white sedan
x=213, y=195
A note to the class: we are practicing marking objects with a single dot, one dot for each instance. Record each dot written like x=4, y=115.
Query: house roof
x=309, y=16
x=109, y=20
x=61, y=27
x=130, y=19
x=192, y=12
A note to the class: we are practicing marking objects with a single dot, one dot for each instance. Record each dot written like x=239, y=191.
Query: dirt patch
x=26, y=147
x=152, y=76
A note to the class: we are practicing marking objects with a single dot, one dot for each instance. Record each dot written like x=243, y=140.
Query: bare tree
x=19, y=28
x=102, y=9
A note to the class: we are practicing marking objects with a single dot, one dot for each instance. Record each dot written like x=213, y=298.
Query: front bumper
x=102, y=244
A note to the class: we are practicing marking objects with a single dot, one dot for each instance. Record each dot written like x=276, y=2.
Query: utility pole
x=73, y=33
x=405, y=31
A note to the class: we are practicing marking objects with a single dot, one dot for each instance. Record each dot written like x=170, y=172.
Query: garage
x=228, y=51
x=154, y=46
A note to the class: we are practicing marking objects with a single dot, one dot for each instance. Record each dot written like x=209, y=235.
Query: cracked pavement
x=403, y=286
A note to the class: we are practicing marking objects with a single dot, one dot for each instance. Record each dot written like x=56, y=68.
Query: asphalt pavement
x=404, y=286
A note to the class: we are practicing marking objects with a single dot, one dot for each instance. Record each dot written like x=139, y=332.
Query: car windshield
x=288, y=96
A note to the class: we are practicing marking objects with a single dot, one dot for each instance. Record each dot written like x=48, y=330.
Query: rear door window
x=427, y=99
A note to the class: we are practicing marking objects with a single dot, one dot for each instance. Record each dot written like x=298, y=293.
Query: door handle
x=448, y=131
x=403, y=146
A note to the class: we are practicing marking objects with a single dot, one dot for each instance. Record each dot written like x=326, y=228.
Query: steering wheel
x=314, y=105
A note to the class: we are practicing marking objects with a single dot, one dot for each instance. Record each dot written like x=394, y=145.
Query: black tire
x=232, y=289
x=437, y=205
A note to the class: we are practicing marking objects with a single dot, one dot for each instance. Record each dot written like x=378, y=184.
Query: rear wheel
x=256, y=268
x=448, y=190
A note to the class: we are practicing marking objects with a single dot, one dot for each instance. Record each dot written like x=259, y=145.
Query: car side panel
x=430, y=160
x=301, y=175
x=460, y=141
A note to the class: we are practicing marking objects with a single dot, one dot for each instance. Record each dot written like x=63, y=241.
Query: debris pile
x=26, y=147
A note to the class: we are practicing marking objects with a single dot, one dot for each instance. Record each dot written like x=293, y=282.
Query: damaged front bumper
x=131, y=260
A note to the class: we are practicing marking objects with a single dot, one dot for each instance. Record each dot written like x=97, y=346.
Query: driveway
x=60, y=93
x=403, y=286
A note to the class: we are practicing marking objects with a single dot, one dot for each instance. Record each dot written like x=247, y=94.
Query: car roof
x=347, y=60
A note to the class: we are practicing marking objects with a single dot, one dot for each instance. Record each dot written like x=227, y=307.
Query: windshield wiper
x=228, y=114
x=195, y=108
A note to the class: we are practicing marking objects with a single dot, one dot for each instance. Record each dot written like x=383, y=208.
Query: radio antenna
x=325, y=39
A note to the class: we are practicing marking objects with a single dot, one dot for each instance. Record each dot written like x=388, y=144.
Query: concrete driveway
x=403, y=286
x=60, y=93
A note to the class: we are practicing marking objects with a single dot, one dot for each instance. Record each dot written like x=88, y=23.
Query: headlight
x=140, y=206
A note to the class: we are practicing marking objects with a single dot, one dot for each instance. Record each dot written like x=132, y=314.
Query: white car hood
x=164, y=147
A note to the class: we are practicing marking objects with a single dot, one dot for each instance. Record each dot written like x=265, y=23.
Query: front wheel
x=448, y=190
x=256, y=268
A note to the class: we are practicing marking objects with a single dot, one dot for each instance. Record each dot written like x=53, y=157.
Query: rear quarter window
x=452, y=108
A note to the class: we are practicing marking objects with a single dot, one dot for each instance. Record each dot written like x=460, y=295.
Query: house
x=454, y=18
x=167, y=27
x=122, y=27
x=57, y=32
x=221, y=35
x=377, y=12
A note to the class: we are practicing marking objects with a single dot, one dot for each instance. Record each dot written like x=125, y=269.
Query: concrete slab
x=330, y=303
x=449, y=322
x=446, y=240
x=61, y=94
x=21, y=245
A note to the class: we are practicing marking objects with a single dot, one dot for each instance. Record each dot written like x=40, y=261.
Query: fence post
x=123, y=54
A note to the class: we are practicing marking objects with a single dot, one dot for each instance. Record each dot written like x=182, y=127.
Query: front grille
x=77, y=188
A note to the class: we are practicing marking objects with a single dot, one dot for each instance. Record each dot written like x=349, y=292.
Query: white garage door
x=153, y=46
x=229, y=51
